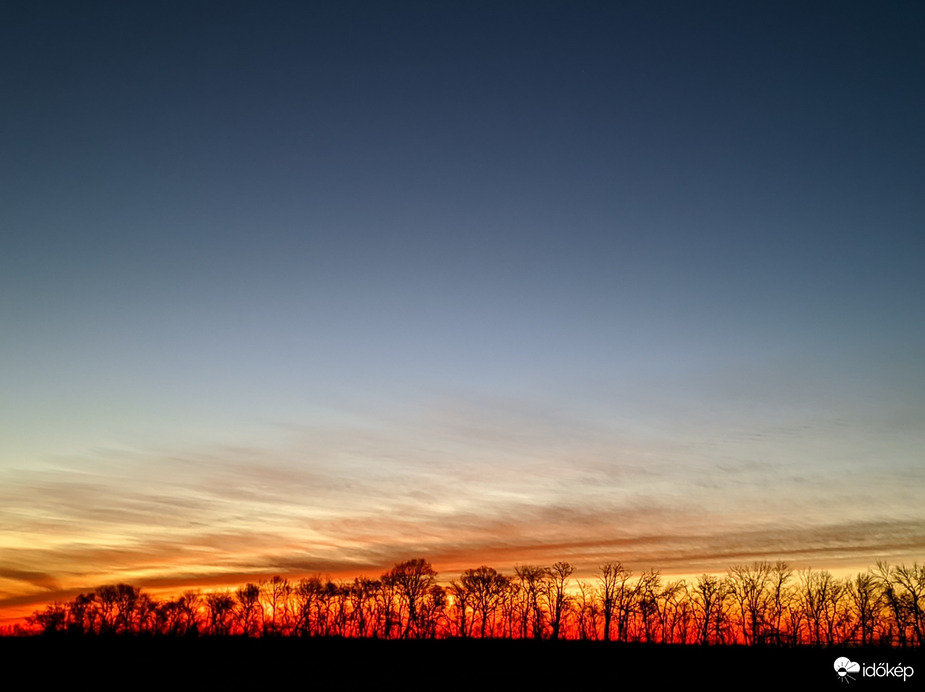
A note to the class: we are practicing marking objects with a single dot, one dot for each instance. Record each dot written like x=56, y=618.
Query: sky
x=294, y=288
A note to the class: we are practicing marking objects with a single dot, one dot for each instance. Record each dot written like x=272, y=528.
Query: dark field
x=350, y=664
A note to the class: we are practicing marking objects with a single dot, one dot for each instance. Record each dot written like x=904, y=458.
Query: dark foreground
x=128, y=663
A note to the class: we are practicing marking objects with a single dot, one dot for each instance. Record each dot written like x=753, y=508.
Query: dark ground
x=232, y=663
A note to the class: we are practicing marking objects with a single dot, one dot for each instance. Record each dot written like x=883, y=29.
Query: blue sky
x=295, y=288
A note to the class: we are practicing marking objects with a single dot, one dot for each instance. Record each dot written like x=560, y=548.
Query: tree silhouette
x=275, y=594
x=362, y=594
x=778, y=602
x=557, y=596
x=462, y=598
x=481, y=589
x=755, y=604
x=305, y=596
x=220, y=608
x=115, y=608
x=51, y=620
x=647, y=592
x=671, y=606
x=867, y=601
x=820, y=599
x=190, y=604
x=912, y=582
x=588, y=611
x=412, y=580
x=248, y=612
x=609, y=580
x=903, y=590
x=147, y=615
x=83, y=614
x=750, y=587
x=532, y=615
x=708, y=597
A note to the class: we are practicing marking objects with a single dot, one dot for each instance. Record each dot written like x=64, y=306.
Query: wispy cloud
x=460, y=483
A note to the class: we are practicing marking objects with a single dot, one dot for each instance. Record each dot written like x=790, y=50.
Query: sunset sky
x=297, y=287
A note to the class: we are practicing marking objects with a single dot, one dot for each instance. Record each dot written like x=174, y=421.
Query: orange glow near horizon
x=16, y=610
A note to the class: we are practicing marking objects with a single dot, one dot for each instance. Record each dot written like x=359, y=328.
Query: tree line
x=762, y=603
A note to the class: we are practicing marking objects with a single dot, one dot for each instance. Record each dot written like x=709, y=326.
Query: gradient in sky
x=316, y=287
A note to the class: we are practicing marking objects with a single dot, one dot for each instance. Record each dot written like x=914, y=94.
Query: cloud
x=460, y=484
x=38, y=579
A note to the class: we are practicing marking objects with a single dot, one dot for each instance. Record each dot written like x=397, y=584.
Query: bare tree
x=750, y=585
x=51, y=620
x=611, y=583
x=275, y=594
x=671, y=603
x=412, y=579
x=116, y=608
x=588, y=611
x=305, y=596
x=190, y=604
x=867, y=601
x=820, y=599
x=532, y=615
x=646, y=591
x=362, y=594
x=755, y=604
x=557, y=597
x=778, y=602
x=912, y=582
x=431, y=612
x=83, y=614
x=146, y=614
x=463, y=598
x=480, y=590
x=903, y=590
x=248, y=611
x=624, y=603
x=220, y=609
x=708, y=598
